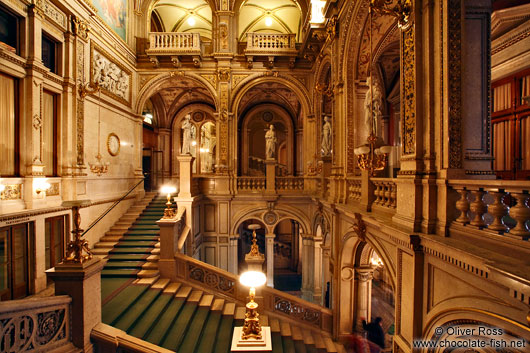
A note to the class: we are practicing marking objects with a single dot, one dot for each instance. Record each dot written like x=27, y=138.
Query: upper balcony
x=175, y=45
x=271, y=45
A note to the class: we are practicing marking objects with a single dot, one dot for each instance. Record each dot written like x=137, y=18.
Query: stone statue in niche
x=207, y=147
x=326, y=137
x=187, y=135
x=373, y=101
x=110, y=76
x=270, y=143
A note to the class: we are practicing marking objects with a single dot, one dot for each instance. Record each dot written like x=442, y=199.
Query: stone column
x=325, y=274
x=307, y=267
x=82, y=282
x=269, y=253
x=164, y=143
x=363, y=282
x=270, y=172
x=317, y=270
x=232, y=251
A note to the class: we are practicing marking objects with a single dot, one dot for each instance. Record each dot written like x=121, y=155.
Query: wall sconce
x=168, y=212
x=2, y=187
x=40, y=185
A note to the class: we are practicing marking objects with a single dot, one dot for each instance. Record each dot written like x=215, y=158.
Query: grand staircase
x=175, y=315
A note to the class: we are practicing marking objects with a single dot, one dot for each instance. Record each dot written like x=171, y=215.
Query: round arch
x=258, y=213
x=154, y=84
x=252, y=81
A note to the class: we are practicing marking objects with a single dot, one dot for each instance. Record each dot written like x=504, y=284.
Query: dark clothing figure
x=375, y=332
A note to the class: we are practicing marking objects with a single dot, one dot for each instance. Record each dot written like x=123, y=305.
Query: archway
x=288, y=257
x=264, y=104
x=168, y=98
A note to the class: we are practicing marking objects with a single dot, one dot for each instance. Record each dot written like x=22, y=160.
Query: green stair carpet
x=161, y=318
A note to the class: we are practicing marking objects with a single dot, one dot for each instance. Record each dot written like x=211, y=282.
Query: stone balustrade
x=227, y=283
x=289, y=184
x=354, y=189
x=253, y=184
x=489, y=204
x=36, y=324
x=385, y=192
x=170, y=43
x=271, y=42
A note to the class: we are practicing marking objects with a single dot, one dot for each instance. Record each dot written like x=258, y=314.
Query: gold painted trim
x=113, y=153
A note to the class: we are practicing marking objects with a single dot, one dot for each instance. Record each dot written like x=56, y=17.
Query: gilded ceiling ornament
x=331, y=28
x=223, y=74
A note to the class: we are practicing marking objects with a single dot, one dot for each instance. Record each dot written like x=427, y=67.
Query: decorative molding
x=237, y=78
x=408, y=95
x=12, y=192
x=211, y=78
x=53, y=13
x=455, y=84
x=114, y=79
x=54, y=189
x=80, y=28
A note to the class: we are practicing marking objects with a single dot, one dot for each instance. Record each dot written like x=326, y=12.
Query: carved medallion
x=270, y=218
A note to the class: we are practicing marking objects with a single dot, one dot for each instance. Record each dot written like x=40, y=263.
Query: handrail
x=111, y=207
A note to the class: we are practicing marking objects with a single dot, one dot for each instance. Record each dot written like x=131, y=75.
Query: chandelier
x=369, y=157
x=99, y=167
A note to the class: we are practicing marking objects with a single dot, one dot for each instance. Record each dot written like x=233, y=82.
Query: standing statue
x=186, y=135
x=326, y=137
x=372, y=106
x=270, y=143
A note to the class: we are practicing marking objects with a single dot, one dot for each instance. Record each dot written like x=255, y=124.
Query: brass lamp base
x=251, y=345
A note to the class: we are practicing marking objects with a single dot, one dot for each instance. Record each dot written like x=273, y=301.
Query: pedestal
x=185, y=175
x=82, y=282
x=252, y=345
x=270, y=173
x=169, y=233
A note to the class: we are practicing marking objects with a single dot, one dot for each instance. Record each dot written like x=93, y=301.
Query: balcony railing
x=174, y=43
x=289, y=184
x=502, y=208
x=385, y=192
x=270, y=43
x=253, y=184
x=36, y=324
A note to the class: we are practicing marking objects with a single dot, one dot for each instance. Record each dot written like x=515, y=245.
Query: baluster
x=393, y=195
x=388, y=192
x=521, y=213
x=498, y=210
x=478, y=207
x=463, y=206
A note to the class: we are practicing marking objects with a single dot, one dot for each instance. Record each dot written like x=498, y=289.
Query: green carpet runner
x=168, y=319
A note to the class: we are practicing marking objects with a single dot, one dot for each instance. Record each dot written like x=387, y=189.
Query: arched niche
x=204, y=136
x=254, y=125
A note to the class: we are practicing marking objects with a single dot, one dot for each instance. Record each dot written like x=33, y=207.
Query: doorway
x=16, y=250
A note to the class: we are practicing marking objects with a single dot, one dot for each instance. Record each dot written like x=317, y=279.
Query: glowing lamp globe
x=168, y=189
x=253, y=279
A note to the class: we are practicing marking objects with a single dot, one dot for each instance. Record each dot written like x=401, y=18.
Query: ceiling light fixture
x=191, y=21
x=268, y=21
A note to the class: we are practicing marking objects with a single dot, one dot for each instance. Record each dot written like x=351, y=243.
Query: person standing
x=375, y=332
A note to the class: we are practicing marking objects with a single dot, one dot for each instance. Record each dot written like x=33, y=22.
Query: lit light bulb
x=191, y=21
x=268, y=21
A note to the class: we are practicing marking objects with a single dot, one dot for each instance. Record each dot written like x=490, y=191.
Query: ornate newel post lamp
x=252, y=337
x=252, y=328
x=168, y=212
